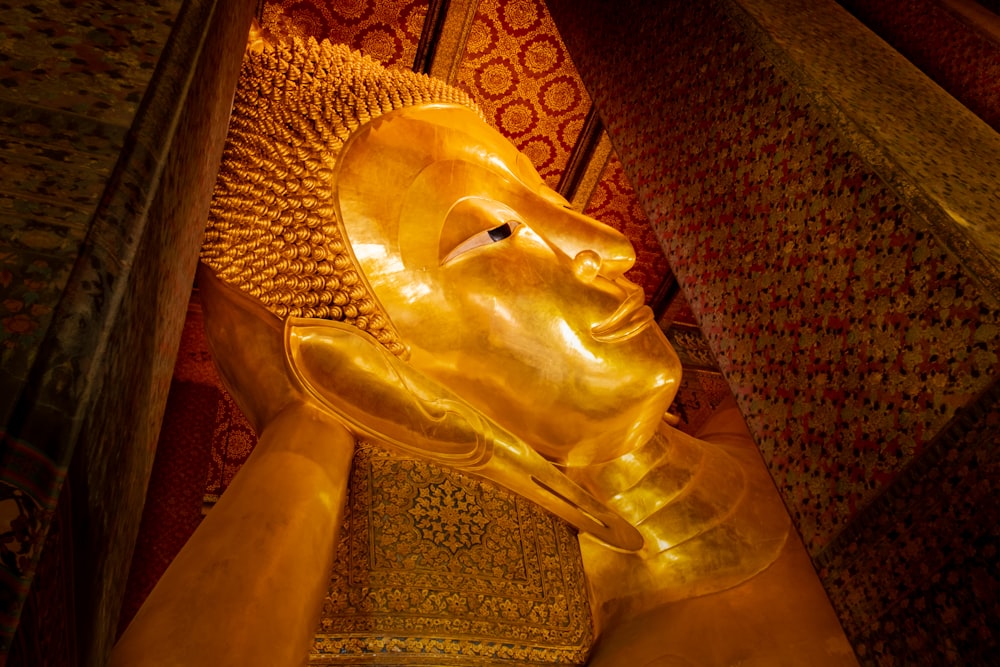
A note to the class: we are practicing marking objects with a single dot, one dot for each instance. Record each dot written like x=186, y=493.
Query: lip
x=631, y=317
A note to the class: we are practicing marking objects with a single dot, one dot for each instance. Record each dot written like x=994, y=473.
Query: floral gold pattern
x=614, y=203
x=517, y=69
x=387, y=31
x=449, y=515
x=429, y=558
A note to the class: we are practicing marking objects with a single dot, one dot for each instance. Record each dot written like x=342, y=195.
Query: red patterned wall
x=917, y=582
x=387, y=30
x=850, y=338
x=614, y=203
x=516, y=67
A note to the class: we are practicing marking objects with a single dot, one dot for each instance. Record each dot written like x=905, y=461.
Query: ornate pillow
x=437, y=568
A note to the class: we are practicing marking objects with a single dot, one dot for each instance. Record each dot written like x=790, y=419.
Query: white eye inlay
x=485, y=237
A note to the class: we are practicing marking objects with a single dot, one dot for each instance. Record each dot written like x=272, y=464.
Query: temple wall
x=830, y=215
x=113, y=121
x=915, y=576
x=202, y=429
x=838, y=255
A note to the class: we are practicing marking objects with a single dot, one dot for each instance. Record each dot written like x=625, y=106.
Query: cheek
x=502, y=269
x=519, y=277
x=517, y=312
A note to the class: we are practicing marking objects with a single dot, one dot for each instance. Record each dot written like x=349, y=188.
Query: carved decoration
x=432, y=559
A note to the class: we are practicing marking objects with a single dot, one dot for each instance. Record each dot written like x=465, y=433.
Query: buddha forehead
x=415, y=183
x=401, y=175
x=414, y=137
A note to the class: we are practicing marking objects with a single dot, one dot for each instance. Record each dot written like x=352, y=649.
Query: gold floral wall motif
x=517, y=69
x=387, y=30
x=429, y=558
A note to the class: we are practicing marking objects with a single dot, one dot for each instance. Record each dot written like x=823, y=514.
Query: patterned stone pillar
x=113, y=119
x=955, y=42
x=830, y=216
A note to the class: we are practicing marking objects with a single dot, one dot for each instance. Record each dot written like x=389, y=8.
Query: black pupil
x=500, y=233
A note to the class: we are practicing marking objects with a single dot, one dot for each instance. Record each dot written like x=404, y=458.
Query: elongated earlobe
x=380, y=397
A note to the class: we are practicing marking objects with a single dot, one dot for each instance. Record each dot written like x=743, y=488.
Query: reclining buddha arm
x=267, y=364
x=248, y=586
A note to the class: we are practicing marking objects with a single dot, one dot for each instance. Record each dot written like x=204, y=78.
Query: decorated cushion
x=438, y=568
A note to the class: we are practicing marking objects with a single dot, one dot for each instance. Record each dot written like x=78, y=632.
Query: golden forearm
x=247, y=587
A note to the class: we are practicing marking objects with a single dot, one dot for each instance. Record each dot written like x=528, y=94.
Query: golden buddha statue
x=382, y=264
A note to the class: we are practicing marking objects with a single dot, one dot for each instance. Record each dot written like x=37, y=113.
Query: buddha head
x=383, y=199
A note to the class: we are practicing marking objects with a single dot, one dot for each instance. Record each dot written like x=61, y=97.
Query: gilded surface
x=272, y=230
x=434, y=563
x=501, y=292
x=354, y=194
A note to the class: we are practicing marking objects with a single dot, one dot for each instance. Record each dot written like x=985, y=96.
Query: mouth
x=631, y=317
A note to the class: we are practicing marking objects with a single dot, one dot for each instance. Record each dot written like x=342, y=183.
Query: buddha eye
x=485, y=237
x=500, y=232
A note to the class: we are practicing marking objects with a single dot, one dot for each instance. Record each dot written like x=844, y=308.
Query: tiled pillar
x=831, y=216
x=113, y=121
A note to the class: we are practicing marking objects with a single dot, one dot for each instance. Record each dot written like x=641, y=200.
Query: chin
x=589, y=428
x=635, y=426
x=640, y=405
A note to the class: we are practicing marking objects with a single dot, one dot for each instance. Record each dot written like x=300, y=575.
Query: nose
x=586, y=265
x=594, y=248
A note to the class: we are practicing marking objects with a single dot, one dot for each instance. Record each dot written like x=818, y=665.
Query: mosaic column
x=112, y=122
x=831, y=216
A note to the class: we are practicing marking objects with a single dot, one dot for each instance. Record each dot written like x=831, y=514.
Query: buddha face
x=500, y=291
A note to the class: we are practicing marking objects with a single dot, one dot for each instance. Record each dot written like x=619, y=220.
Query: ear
x=378, y=396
